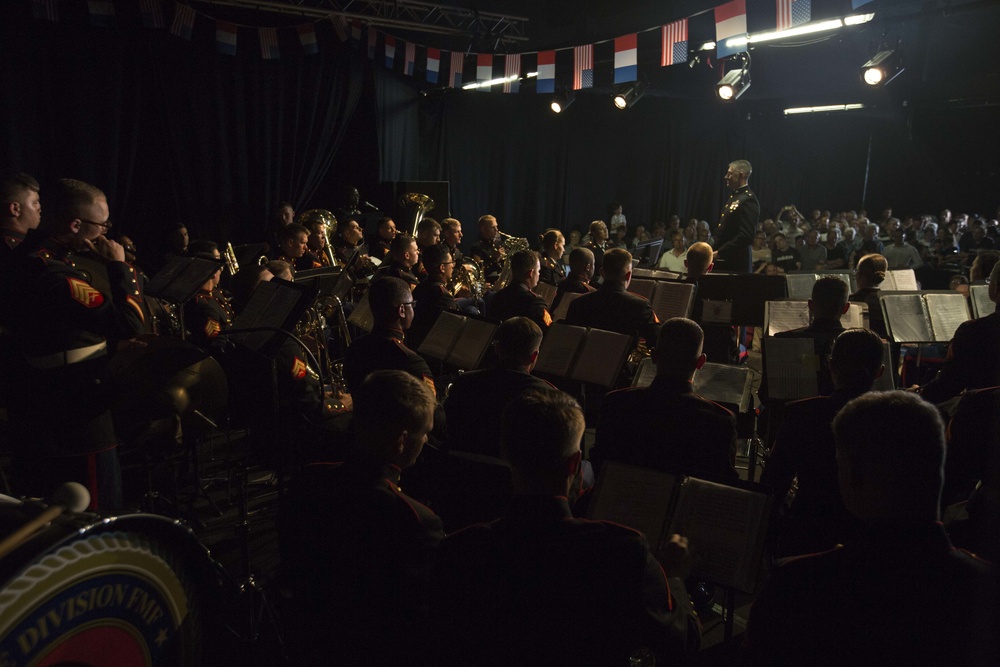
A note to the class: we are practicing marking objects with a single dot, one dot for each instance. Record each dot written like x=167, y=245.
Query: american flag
x=183, y=23
x=583, y=66
x=792, y=13
x=372, y=37
x=151, y=13
x=409, y=58
x=675, y=43
x=269, y=43
x=512, y=67
x=457, y=64
x=45, y=9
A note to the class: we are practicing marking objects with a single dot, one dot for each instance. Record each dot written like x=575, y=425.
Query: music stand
x=745, y=294
x=646, y=253
x=180, y=280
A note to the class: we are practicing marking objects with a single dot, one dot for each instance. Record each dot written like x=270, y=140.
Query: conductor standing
x=739, y=222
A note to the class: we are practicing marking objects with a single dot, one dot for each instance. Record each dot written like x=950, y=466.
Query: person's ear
x=846, y=306
x=701, y=361
x=574, y=462
x=880, y=372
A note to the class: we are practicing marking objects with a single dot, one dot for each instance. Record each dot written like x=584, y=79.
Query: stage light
x=883, y=68
x=823, y=109
x=629, y=95
x=562, y=101
x=735, y=82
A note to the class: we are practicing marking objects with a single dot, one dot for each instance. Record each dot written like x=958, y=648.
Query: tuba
x=511, y=245
x=416, y=206
x=329, y=221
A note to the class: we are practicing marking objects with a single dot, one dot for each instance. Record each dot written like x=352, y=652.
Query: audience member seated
x=431, y=297
x=539, y=587
x=581, y=271
x=517, y=299
x=357, y=551
x=674, y=258
x=897, y=592
x=901, y=255
x=611, y=307
x=666, y=426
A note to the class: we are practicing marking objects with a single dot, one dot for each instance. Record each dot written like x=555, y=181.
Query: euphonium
x=416, y=206
x=511, y=245
x=329, y=221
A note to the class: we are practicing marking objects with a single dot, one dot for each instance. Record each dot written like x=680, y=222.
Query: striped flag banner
x=856, y=4
x=339, y=27
x=433, y=64
x=355, y=31
x=730, y=22
x=583, y=67
x=626, y=59
x=151, y=13
x=390, y=51
x=307, y=37
x=225, y=37
x=102, y=13
x=546, y=72
x=47, y=10
x=183, y=24
x=372, y=39
x=675, y=43
x=269, y=43
x=512, y=67
x=457, y=64
x=791, y=13
x=484, y=68
x=409, y=58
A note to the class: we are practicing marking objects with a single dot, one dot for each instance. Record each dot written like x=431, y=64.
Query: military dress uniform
x=207, y=315
x=61, y=325
x=613, y=308
x=489, y=255
x=9, y=239
x=736, y=231
x=311, y=261
x=383, y=349
x=516, y=300
x=552, y=272
x=431, y=298
x=574, y=284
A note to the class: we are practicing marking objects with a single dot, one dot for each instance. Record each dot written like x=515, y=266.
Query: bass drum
x=128, y=591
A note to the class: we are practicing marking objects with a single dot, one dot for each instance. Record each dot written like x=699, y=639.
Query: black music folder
x=460, y=340
x=583, y=354
x=274, y=304
x=738, y=298
x=181, y=278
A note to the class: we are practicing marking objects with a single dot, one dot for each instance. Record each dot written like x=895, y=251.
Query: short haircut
x=539, y=431
x=579, y=258
x=517, y=338
x=291, y=231
x=387, y=403
x=874, y=267
x=14, y=185
x=616, y=264
x=829, y=296
x=855, y=359
x=678, y=347
x=595, y=225
x=451, y=224
x=400, y=244
x=203, y=249
x=435, y=255
x=550, y=238
x=65, y=199
x=741, y=166
x=983, y=264
x=522, y=262
x=385, y=295
x=277, y=267
x=314, y=224
x=486, y=219
x=427, y=225
x=699, y=258
x=384, y=222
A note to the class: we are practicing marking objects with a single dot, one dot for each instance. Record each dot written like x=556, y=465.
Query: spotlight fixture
x=562, y=101
x=736, y=81
x=883, y=68
x=629, y=95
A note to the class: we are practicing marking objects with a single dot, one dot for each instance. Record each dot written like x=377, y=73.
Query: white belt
x=67, y=357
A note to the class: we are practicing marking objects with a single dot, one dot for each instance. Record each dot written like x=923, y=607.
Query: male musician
x=487, y=249
x=403, y=256
x=293, y=239
x=597, y=244
x=431, y=296
x=451, y=236
x=350, y=211
x=612, y=307
x=517, y=298
x=666, y=426
x=378, y=243
x=20, y=210
x=61, y=325
x=581, y=271
x=347, y=240
x=428, y=234
x=739, y=222
x=209, y=313
x=316, y=255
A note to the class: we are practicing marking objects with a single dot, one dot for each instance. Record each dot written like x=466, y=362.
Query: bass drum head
x=105, y=596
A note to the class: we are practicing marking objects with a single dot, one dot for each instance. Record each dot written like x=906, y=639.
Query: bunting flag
x=433, y=64
x=225, y=37
x=857, y=4
x=730, y=22
x=269, y=43
x=626, y=59
x=339, y=27
x=583, y=67
x=484, y=68
x=307, y=37
x=102, y=13
x=183, y=23
x=372, y=39
x=410, y=58
x=675, y=43
x=511, y=68
x=355, y=32
x=546, y=72
x=457, y=64
x=791, y=13
x=390, y=51
x=151, y=13
x=46, y=10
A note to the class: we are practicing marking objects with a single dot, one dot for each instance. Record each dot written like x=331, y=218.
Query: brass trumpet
x=229, y=255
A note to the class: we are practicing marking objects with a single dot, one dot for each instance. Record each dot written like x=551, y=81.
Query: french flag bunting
x=47, y=10
x=339, y=27
x=372, y=38
x=546, y=72
x=433, y=64
x=269, y=43
x=151, y=13
x=457, y=64
x=484, y=68
x=626, y=61
x=730, y=22
x=102, y=13
x=583, y=67
x=307, y=37
x=355, y=32
x=675, y=43
x=183, y=24
x=409, y=58
x=791, y=13
x=512, y=67
x=390, y=51
x=225, y=37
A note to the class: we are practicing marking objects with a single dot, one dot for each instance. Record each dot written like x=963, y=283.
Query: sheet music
x=642, y=273
x=724, y=384
x=600, y=360
x=981, y=300
x=785, y=315
x=442, y=335
x=559, y=348
x=717, y=312
x=672, y=300
x=900, y=280
x=907, y=318
x=947, y=312
x=634, y=497
x=642, y=287
x=887, y=381
x=362, y=316
x=791, y=365
x=800, y=285
x=563, y=309
x=472, y=343
x=854, y=318
x=547, y=292
x=645, y=373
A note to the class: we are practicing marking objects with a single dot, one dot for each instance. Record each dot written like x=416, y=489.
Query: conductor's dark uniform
x=736, y=231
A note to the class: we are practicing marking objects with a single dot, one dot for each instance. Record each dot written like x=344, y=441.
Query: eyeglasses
x=411, y=304
x=106, y=225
